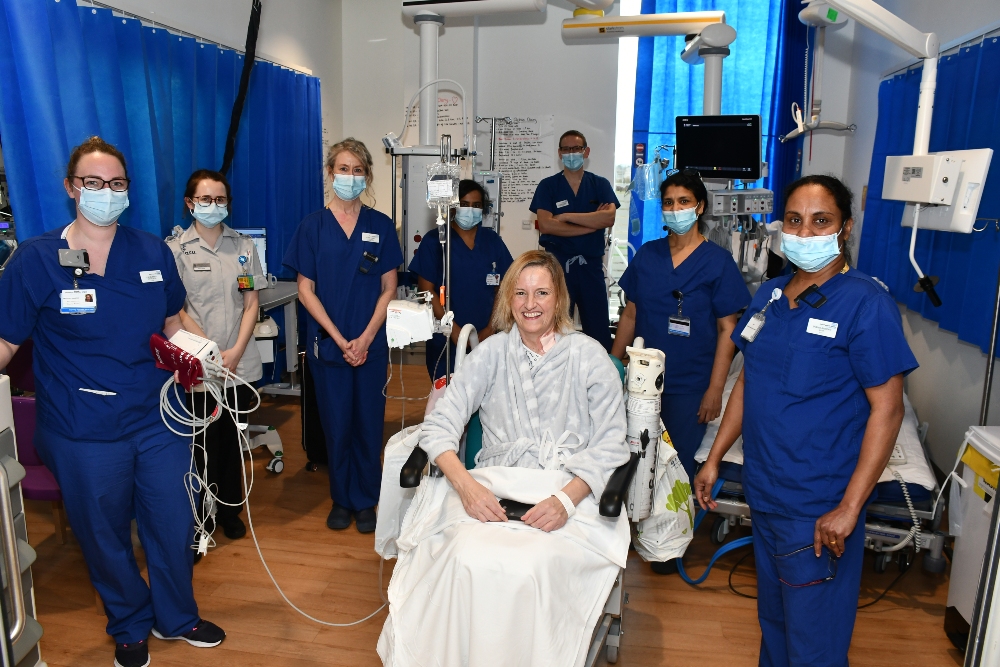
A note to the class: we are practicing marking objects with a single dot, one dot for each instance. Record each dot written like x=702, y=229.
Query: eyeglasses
x=207, y=201
x=477, y=204
x=572, y=149
x=98, y=183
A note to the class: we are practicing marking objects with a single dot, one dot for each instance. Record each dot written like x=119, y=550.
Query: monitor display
x=724, y=147
x=259, y=236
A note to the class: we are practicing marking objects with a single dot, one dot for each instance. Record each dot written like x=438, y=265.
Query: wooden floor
x=334, y=576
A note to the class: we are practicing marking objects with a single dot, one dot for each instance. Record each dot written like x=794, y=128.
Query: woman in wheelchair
x=473, y=585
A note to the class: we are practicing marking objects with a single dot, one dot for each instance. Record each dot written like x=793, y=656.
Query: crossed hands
x=356, y=351
x=481, y=504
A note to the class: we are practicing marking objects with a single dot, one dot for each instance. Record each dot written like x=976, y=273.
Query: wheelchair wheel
x=904, y=560
x=720, y=530
x=312, y=467
x=614, y=631
x=882, y=561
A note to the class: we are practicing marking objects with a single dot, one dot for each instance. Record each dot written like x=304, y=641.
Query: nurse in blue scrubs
x=99, y=428
x=819, y=404
x=684, y=298
x=479, y=260
x=346, y=256
x=574, y=207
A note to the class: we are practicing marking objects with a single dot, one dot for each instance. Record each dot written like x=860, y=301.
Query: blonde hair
x=358, y=150
x=503, y=314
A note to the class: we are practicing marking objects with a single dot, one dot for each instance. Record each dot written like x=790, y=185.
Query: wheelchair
x=608, y=632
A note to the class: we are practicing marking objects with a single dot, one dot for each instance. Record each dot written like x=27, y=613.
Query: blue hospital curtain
x=759, y=74
x=69, y=72
x=966, y=115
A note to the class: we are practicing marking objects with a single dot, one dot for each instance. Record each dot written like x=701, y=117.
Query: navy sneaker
x=339, y=518
x=135, y=654
x=204, y=635
x=366, y=520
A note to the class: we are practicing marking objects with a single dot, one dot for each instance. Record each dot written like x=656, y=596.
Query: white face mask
x=102, y=207
x=210, y=215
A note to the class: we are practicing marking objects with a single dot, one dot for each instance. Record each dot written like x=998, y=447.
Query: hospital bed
x=889, y=519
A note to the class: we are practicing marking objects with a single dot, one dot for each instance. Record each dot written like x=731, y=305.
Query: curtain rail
x=952, y=47
x=184, y=33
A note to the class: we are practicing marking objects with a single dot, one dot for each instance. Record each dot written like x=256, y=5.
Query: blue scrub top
x=106, y=351
x=804, y=403
x=712, y=288
x=471, y=296
x=322, y=252
x=555, y=190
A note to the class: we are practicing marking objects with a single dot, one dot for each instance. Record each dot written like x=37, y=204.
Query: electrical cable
x=914, y=534
x=887, y=589
x=465, y=118
x=732, y=571
x=216, y=383
x=736, y=565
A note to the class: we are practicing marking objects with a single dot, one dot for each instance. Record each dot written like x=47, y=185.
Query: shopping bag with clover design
x=669, y=528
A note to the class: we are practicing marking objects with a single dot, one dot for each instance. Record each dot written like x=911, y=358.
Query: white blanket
x=916, y=470
x=484, y=594
x=393, y=500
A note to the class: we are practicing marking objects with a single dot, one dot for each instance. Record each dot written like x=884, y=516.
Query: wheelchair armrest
x=410, y=473
x=614, y=492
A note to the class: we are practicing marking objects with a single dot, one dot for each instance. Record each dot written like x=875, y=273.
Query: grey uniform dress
x=215, y=303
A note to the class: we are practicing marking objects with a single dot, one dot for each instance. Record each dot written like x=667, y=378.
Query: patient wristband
x=566, y=502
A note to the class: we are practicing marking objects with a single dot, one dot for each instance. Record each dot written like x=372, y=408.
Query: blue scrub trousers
x=105, y=484
x=589, y=293
x=680, y=417
x=806, y=625
x=352, y=412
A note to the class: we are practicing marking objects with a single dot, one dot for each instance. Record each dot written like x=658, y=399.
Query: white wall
x=524, y=68
x=303, y=34
x=947, y=387
x=381, y=57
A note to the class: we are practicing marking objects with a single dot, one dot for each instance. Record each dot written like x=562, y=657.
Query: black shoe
x=204, y=635
x=666, y=567
x=233, y=527
x=366, y=520
x=135, y=654
x=339, y=518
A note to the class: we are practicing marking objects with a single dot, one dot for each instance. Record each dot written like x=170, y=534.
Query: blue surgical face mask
x=349, y=187
x=811, y=253
x=573, y=161
x=102, y=207
x=680, y=222
x=468, y=217
x=210, y=215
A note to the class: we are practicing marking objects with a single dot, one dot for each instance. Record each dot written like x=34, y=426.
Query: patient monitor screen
x=719, y=146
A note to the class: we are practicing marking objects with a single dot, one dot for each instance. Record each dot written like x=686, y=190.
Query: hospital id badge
x=753, y=327
x=678, y=326
x=78, y=301
x=492, y=279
